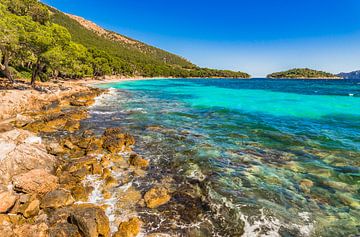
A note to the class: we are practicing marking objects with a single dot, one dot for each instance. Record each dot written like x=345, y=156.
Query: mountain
x=350, y=75
x=302, y=73
x=138, y=58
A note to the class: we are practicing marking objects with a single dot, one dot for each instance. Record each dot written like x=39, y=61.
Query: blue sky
x=256, y=36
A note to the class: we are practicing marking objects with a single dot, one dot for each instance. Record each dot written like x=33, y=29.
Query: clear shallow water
x=259, y=157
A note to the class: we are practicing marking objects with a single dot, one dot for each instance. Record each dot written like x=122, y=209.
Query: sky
x=255, y=36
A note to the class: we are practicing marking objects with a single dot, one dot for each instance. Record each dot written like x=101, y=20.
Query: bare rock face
x=90, y=220
x=35, y=181
x=57, y=198
x=20, y=152
x=129, y=228
x=156, y=197
x=7, y=201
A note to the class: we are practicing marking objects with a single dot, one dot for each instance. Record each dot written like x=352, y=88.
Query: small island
x=302, y=73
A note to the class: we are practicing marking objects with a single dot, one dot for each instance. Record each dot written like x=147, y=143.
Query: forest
x=38, y=42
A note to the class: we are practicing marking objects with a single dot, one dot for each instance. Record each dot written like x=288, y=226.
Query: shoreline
x=48, y=191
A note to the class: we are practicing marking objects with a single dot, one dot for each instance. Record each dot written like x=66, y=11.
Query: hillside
x=302, y=73
x=39, y=42
x=350, y=75
x=135, y=58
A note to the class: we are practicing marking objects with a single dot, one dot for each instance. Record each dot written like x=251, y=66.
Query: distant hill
x=303, y=73
x=133, y=57
x=350, y=75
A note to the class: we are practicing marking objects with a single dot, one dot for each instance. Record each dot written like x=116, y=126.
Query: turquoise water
x=259, y=157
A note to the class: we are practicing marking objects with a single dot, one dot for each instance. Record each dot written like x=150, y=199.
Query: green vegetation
x=42, y=43
x=302, y=73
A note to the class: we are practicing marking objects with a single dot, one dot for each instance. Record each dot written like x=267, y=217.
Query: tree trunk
x=5, y=68
x=35, y=73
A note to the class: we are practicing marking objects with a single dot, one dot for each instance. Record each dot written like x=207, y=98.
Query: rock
x=20, y=152
x=22, y=120
x=32, y=209
x=156, y=197
x=82, y=102
x=7, y=201
x=56, y=199
x=115, y=141
x=97, y=169
x=81, y=193
x=5, y=127
x=105, y=173
x=127, y=199
x=64, y=230
x=37, y=230
x=138, y=161
x=72, y=126
x=90, y=220
x=55, y=149
x=129, y=228
x=111, y=182
x=35, y=181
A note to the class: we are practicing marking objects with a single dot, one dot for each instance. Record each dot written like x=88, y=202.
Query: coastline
x=47, y=181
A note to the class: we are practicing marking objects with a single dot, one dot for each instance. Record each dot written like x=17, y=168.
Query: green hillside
x=39, y=42
x=302, y=73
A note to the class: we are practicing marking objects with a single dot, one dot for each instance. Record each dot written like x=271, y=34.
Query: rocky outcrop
x=7, y=201
x=57, y=198
x=22, y=151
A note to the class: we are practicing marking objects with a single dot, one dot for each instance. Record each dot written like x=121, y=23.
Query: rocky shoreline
x=51, y=168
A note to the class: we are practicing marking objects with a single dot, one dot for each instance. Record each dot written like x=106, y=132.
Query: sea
x=244, y=157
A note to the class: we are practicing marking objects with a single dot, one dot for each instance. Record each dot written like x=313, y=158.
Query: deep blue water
x=270, y=157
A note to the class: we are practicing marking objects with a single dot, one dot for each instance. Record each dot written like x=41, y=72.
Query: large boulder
x=156, y=197
x=57, y=198
x=90, y=220
x=7, y=201
x=35, y=181
x=20, y=152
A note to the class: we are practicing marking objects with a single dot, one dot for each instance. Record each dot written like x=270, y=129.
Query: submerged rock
x=156, y=197
x=129, y=228
x=138, y=161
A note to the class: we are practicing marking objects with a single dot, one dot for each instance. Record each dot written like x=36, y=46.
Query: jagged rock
x=138, y=161
x=32, y=209
x=91, y=221
x=156, y=197
x=64, y=230
x=128, y=198
x=111, y=182
x=72, y=125
x=35, y=181
x=57, y=198
x=7, y=201
x=22, y=120
x=115, y=141
x=129, y=228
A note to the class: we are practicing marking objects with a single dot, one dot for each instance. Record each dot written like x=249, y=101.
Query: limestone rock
x=138, y=161
x=32, y=209
x=7, y=201
x=129, y=228
x=156, y=197
x=91, y=221
x=57, y=198
x=35, y=181
x=37, y=230
x=64, y=230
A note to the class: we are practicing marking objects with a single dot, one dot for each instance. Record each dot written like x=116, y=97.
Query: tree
x=9, y=41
